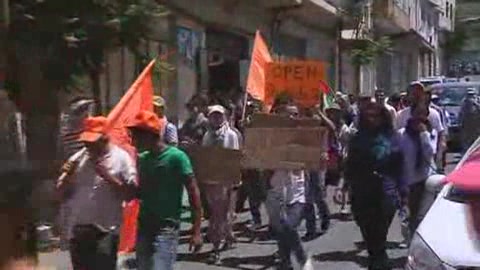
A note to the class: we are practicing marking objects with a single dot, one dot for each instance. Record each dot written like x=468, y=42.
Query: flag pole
x=244, y=109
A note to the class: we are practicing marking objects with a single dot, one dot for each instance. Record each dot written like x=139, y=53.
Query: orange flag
x=138, y=97
x=256, y=74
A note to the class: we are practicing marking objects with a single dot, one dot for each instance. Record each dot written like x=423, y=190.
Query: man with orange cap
x=96, y=185
x=164, y=171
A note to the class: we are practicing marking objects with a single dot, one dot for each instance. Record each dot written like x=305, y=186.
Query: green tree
x=53, y=43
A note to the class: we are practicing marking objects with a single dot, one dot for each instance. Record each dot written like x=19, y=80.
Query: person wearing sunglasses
x=374, y=176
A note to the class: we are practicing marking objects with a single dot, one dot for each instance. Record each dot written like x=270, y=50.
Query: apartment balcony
x=315, y=13
x=391, y=17
x=436, y=3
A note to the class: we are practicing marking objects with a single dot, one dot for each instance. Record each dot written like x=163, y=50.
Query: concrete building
x=209, y=43
x=417, y=29
x=467, y=61
x=446, y=26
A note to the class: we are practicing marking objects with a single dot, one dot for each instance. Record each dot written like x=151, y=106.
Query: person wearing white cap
x=220, y=196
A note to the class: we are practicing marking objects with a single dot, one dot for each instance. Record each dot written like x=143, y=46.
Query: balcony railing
x=392, y=15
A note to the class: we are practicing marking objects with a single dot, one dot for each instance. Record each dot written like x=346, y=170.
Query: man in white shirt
x=418, y=100
x=380, y=99
x=97, y=182
x=285, y=205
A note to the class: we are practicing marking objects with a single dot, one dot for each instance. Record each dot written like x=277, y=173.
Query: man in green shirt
x=164, y=171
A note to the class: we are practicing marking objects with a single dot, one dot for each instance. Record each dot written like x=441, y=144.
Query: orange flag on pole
x=138, y=97
x=256, y=74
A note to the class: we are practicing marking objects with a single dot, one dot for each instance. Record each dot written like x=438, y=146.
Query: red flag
x=138, y=97
x=256, y=74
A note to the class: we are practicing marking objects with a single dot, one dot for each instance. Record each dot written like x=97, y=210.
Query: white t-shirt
x=392, y=111
x=290, y=183
x=94, y=200
x=433, y=117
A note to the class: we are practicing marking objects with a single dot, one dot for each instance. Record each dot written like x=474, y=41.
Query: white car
x=442, y=240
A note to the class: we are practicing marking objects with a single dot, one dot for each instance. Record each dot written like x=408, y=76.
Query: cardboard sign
x=299, y=79
x=291, y=144
x=214, y=165
x=282, y=148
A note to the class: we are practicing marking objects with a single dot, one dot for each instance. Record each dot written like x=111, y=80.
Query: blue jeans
x=157, y=250
x=316, y=195
x=288, y=239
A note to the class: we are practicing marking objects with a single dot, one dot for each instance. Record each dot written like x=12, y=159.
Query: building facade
x=466, y=62
x=418, y=29
x=209, y=42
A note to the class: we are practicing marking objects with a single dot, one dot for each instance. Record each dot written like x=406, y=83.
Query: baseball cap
x=93, y=128
x=334, y=106
x=216, y=109
x=147, y=121
x=416, y=84
x=158, y=101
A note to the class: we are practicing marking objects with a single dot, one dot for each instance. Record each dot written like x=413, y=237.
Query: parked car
x=427, y=81
x=451, y=96
x=443, y=241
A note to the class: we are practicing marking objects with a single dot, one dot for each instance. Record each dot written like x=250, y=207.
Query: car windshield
x=451, y=95
x=429, y=83
x=461, y=195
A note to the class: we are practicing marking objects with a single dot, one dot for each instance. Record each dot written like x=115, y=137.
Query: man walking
x=220, y=196
x=469, y=119
x=285, y=206
x=164, y=171
x=169, y=131
x=381, y=99
x=97, y=183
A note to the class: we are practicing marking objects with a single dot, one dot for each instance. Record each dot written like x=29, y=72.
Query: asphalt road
x=338, y=249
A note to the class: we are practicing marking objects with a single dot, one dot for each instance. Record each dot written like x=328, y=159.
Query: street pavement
x=339, y=249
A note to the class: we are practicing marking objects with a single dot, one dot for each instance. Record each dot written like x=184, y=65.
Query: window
x=447, y=7
x=451, y=12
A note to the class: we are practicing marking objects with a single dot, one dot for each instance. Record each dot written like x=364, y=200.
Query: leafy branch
x=366, y=52
x=74, y=36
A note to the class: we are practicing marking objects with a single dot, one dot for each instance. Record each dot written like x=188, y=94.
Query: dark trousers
x=288, y=239
x=315, y=196
x=374, y=219
x=254, y=189
x=203, y=200
x=93, y=249
x=414, y=204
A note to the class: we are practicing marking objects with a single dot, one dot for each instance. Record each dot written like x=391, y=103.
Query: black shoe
x=325, y=224
x=310, y=236
x=214, y=258
x=285, y=265
x=380, y=263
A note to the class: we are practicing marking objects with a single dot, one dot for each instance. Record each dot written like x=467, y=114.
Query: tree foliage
x=366, y=52
x=367, y=49
x=73, y=36
x=456, y=40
